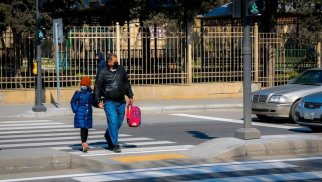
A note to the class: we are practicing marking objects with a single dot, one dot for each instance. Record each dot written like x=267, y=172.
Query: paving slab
x=38, y=159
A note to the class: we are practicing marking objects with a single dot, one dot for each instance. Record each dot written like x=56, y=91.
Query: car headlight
x=301, y=103
x=278, y=99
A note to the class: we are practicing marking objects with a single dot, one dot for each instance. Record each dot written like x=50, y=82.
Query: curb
x=266, y=146
x=38, y=159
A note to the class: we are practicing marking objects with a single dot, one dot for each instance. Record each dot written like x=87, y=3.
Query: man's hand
x=101, y=105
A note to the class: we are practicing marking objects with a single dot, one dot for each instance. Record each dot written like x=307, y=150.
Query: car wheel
x=292, y=115
x=315, y=128
x=263, y=117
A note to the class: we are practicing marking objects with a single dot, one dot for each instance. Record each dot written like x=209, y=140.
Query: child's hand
x=131, y=101
x=101, y=105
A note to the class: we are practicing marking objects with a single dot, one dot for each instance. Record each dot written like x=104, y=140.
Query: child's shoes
x=85, y=147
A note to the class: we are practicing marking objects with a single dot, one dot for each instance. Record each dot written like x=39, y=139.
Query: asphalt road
x=196, y=127
x=159, y=132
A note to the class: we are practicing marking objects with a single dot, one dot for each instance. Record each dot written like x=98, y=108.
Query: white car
x=309, y=111
x=281, y=101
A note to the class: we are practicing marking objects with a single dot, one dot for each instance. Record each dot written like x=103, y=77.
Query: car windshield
x=308, y=77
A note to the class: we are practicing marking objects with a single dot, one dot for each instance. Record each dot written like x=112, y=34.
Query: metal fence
x=152, y=56
x=217, y=54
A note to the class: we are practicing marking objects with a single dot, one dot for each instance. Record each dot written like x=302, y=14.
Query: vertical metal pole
x=118, y=43
x=189, y=53
x=247, y=72
x=318, y=51
x=57, y=64
x=256, y=51
x=247, y=132
x=39, y=107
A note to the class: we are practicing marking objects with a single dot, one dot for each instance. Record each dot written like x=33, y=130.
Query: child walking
x=81, y=104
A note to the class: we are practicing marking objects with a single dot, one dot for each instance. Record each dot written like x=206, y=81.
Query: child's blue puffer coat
x=81, y=104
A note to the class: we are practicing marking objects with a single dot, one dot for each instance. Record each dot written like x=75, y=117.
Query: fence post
x=189, y=55
x=256, y=53
x=271, y=66
x=118, y=43
x=318, y=51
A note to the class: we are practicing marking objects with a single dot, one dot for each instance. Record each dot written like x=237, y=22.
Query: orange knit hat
x=86, y=81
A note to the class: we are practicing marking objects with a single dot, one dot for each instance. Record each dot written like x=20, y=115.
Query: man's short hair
x=109, y=56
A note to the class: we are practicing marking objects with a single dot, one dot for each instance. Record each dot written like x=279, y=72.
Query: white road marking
x=135, y=171
x=270, y=177
x=67, y=138
x=75, y=133
x=31, y=124
x=184, y=171
x=41, y=131
x=90, y=141
x=23, y=121
x=236, y=121
x=136, y=150
x=36, y=127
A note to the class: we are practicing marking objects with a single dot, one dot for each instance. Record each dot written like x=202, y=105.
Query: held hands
x=101, y=104
x=131, y=101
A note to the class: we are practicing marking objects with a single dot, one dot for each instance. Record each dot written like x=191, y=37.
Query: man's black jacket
x=112, y=85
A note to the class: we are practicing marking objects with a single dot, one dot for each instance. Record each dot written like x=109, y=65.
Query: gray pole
x=247, y=132
x=57, y=63
x=39, y=107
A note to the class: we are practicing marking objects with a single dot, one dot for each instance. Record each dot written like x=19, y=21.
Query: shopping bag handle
x=128, y=110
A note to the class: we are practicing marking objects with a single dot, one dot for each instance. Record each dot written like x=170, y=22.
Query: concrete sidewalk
x=147, y=106
x=220, y=149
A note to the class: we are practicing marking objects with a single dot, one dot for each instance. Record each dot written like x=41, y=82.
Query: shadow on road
x=200, y=135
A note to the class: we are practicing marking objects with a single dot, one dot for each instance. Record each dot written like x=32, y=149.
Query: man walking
x=112, y=84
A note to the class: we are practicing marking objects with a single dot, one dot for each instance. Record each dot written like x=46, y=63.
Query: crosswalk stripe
x=134, y=144
x=31, y=124
x=140, y=150
x=41, y=131
x=99, y=150
x=77, y=142
x=67, y=138
x=74, y=132
x=61, y=136
x=36, y=127
x=148, y=173
x=270, y=177
x=23, y=121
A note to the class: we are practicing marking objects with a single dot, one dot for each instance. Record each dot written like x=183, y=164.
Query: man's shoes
x=110, y=146
x=116, y=149
x=109, y=142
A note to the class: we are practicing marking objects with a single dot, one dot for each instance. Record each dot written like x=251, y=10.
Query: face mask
x=83, y=88
x=116, y=64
